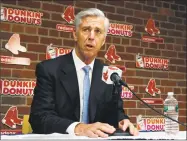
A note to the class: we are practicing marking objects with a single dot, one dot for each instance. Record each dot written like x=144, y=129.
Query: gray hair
x=91, y=12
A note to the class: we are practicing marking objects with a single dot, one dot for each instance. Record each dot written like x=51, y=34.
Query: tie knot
x=86, y=69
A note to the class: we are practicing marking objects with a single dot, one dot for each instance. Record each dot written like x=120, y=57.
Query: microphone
x=108, y=71
x=117, y=80
x=112, y=75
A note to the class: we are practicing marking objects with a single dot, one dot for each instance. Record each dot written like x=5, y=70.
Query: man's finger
x=131, y=128
x=91, y=134
x=135, y=132
x=125, y=124
x=100, y=133
x=106, y=129
x=109, y=126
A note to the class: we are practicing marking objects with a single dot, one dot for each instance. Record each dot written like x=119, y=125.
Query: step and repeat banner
x=146, y=41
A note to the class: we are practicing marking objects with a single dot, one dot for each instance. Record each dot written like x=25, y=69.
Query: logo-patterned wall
x=146, y=39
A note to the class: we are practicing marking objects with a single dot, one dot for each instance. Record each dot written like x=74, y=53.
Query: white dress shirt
x=80, y=75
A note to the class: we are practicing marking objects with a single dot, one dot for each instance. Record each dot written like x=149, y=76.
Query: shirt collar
x=79, y=64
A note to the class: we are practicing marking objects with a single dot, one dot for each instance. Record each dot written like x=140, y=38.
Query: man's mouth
x=89, y=46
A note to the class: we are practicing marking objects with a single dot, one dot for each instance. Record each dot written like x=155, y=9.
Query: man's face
x=90, y=37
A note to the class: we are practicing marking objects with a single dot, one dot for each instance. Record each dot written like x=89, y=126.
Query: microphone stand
x=125, y=84
x=116, y=96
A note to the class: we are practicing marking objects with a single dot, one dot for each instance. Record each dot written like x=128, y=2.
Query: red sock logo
x=156, y=90
x=105, y=75
x=11, y=118
x=150, y=28
x=72, y=14
x=7, y=120
x=68, y=14
x=14, y=45
x=111, y=54
x=15, y=118
x=151, y=88
x=115, y=56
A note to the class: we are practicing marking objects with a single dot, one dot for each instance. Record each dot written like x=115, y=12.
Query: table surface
x=142, y=135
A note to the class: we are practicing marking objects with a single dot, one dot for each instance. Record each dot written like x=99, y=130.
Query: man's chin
x=89, y=56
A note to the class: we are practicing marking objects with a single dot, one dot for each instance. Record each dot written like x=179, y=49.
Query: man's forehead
x=93, y=17
x=92, y=20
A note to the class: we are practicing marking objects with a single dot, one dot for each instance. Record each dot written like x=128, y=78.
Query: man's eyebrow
x=98, y=28
x=91, y=27
x=86, y=26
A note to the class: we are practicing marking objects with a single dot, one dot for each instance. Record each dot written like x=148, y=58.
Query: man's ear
x=74, y=35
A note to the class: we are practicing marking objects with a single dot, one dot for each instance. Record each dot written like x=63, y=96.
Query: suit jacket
x=56, y=102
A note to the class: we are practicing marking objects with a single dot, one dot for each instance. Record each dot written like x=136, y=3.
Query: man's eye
x=86, y=29
x=97, y=31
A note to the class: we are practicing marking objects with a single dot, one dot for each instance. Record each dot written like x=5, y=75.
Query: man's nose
x=91, y=35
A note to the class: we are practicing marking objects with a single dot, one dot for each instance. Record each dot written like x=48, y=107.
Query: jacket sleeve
x=121, y=112
x=43, y=117
x=114, y=110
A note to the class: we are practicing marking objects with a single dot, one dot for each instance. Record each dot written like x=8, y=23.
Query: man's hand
x=125, y=123
x=94, y=130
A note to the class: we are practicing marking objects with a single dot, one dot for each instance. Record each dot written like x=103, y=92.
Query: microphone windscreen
x=108, y=71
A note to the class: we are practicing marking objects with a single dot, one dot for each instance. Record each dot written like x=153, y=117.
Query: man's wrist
x=79, y=128
x=71, y=128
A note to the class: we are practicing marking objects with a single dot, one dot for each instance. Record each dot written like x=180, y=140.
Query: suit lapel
x=68, y=79
x=97, y=88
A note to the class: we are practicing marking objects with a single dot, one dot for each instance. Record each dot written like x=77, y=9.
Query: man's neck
x=87, y=61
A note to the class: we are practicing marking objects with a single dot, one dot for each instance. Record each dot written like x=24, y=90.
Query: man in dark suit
x=59, y=102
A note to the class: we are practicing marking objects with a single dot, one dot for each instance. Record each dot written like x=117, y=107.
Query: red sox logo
x=151, y=88
x=11, y=118
x=105, y=75
x=111, y=54
x=150, y=28
x=68, y=14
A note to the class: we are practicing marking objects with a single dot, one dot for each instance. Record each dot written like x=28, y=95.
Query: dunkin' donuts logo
x=53, y=52
x=120, y=29
x=152, y=62
x=150, y=123
x=126, y=93
x=17, y=87
x=21, y=16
